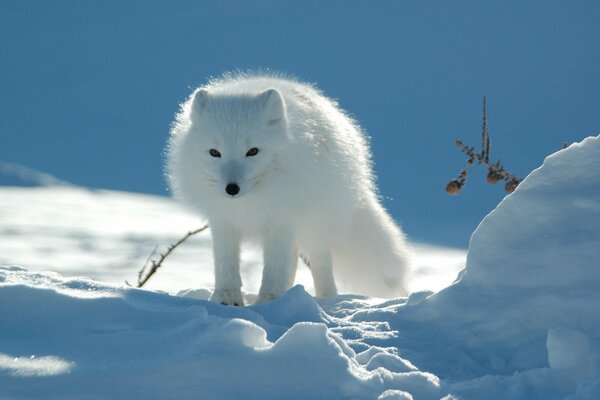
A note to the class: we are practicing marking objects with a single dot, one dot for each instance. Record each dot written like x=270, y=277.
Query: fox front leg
x=280, y=259
x=226, y=251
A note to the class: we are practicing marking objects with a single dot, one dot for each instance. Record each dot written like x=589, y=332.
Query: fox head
x=236, y=138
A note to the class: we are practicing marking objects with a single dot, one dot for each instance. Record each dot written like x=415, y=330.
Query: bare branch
x=141, y=272
x=156, y=264
x=496, y=171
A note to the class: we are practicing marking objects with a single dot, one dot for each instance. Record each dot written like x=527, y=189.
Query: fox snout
x=232, y=189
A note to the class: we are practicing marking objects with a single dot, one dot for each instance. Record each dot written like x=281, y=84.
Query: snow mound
x=102, y=341
x=524, y=321
x=546, y=233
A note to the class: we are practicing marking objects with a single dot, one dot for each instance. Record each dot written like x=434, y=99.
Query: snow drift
x=522, y=322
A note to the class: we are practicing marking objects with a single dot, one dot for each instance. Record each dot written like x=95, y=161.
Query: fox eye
x=252, y=152
x=214, y=153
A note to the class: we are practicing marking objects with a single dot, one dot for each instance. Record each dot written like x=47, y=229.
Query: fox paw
x=228, y=297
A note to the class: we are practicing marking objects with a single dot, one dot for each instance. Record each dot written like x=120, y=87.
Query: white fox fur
x=309, y=190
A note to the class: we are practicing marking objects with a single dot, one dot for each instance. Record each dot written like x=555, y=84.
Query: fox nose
x=232, y=189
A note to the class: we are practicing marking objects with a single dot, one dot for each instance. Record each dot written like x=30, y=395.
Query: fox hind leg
x=321, y=267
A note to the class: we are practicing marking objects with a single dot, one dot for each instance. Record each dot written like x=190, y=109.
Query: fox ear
x=201, y=97
x=273, y=106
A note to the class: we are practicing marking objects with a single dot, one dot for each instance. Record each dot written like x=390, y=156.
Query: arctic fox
x=272, y=160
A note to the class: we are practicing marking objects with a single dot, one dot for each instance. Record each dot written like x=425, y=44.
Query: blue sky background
x=88, y=89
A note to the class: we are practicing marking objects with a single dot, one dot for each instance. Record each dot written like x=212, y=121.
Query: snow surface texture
x=522, y=323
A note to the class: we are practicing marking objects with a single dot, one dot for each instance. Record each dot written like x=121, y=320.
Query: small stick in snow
x=156, y=264
x=496, y=172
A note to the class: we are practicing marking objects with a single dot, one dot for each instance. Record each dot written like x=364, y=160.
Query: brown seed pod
x=511, y=185
x=453, y=187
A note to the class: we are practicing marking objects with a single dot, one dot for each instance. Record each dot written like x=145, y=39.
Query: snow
x=96, y=334
x=521, y=322
x=568, y=350
x=552, y=223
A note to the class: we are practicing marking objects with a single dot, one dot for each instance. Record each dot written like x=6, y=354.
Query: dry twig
x=143, y=276
x=496, y=171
